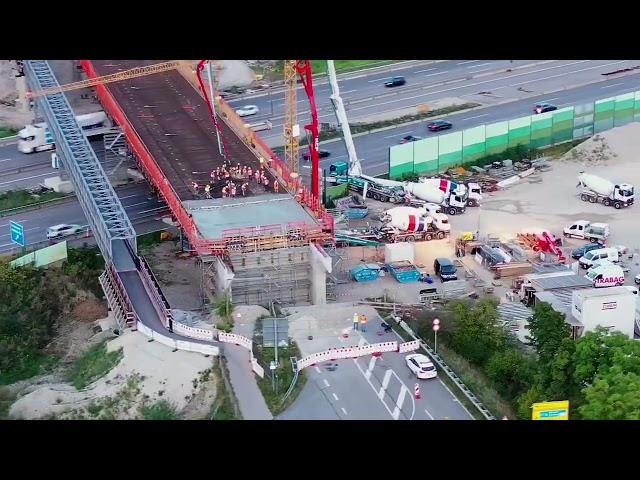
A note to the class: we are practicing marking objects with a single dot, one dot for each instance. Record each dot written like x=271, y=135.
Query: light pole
x=436, y=327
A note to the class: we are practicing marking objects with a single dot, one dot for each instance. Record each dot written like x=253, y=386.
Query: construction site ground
x=545, y=200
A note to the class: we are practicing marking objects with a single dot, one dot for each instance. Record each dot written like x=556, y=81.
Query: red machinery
x=303, y=67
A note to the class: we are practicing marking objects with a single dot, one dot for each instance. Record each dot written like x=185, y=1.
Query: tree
x=511, y=371
x=477, y=334
x=527, y=399
x=560, y=383
x=614, y=395
x=548, y=329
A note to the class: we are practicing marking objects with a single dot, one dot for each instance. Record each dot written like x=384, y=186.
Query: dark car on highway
x=439, y=125
x=410, y=138
x=395, y=82
x=321, y=153
x=580, y=251
x=544, y=107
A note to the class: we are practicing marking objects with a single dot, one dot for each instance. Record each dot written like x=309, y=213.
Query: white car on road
x=63, y=230
x=247, y=110
x=421, y=365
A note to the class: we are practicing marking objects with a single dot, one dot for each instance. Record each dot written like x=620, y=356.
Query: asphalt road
x=366, y=97
x=141, y=207
x=371, y=388
x=373, y=149
x=21, y=170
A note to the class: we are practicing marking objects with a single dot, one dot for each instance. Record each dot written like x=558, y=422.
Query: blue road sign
x=17, y=233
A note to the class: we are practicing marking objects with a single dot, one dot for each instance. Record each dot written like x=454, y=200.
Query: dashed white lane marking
x=326, y=383
x=398, y=135
x=344, y=411
x=427, y=412
x=318, y=369
x=481, y=65
x=613, y=85
x=399, y=402
x=467, y=61
x=432, y=74
x=475, y=116
x=427, y=70
x=385, y=383
x=336, y=397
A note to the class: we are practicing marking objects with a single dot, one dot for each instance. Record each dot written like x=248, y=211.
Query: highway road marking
x=26, y=230
x=5, y=160
x=335, y=396
x=399, y=402
x=481, y=65
x=326, y=383
x=344, y=411
x=432, y=74
x=26, y=178
x=348, y=91
x=378, y=79
x=372, y=364
x=427, y=412
x=427, y=70
x=385, y=383
x=565, y=73
x=614, y=85
x=398, y=135
x=475, y=116
x=318, y=369
x=467, y=61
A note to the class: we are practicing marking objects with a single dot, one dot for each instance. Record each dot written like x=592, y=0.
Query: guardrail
x=152, y=285
x=186, y=345
x=450, y=373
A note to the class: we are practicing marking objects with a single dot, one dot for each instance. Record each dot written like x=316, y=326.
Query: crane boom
x=355, y=168
x=113, y=77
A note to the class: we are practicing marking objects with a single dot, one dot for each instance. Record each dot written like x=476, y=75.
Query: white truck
x=452, y=197
x=598, y=189
x=475, y=195
x=585, y=230
x=37, y=137
x=408, y=218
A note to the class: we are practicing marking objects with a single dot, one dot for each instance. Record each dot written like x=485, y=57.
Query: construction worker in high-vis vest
x=363, y=323
x=356, y=319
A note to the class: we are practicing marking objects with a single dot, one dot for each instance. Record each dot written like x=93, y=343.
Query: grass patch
x=366, y=127
x=161, y=410
x=283, y=375
x=7, y=132
x=30, y=365
x=6, y=400
x=320, y=66
x=93, y=364
x=223, y=406
x=22, y=198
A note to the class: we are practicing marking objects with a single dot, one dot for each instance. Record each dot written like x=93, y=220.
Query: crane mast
x=355, y=168
x=291, y=128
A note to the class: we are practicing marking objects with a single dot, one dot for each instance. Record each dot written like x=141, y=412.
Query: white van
x=588, y=258
x=606, y=276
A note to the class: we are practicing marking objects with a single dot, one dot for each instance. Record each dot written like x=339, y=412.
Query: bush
x=511, y=372
x=161, y=410
x=84, y=265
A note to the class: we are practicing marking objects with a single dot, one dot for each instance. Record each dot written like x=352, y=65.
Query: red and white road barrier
x=416, y=392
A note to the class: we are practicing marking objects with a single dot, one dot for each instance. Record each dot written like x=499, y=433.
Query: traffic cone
x=416, y=392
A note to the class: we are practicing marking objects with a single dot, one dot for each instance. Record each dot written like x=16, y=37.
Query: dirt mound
x=618, y=143
x=89, y=310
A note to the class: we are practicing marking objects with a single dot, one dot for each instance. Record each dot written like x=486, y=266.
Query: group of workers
x=233, y=188
x=360, y=322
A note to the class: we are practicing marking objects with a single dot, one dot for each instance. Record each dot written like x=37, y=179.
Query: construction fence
x=458, y=148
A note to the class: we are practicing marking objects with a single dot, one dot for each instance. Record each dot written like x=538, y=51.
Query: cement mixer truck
x=450, y=195
x=406, y=224
x=598, y=189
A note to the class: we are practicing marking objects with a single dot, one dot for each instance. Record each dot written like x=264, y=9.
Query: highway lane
x=140, y=205
x=365, y=101
x=19, y=170
x=373, y=148
x=373, y=388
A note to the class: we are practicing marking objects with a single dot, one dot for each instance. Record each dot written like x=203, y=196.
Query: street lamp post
x=436, y=327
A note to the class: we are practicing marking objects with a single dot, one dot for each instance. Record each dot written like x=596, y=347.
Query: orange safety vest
x=363, y=319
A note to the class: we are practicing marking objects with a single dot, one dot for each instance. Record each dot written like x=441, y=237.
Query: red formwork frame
x=144, y=156
x=202, y=246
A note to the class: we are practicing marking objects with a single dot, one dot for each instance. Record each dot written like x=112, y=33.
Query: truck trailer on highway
x=38, y=137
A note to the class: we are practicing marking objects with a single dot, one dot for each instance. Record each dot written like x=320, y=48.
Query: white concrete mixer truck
x=598, y=189
x=450, y=195
x=406, y=224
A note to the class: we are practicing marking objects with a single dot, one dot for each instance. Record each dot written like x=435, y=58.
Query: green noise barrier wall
x=438, y=153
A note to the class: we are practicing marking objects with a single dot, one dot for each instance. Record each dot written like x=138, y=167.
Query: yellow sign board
x=551, y=410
